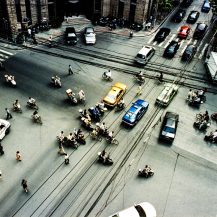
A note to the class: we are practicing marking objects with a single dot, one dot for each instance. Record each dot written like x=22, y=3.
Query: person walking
x=9, y=116
x=70, y=70
x=139, y=91
x=1, y=149
x=66, y=158
x=24, y=185
x=0, y=174
x=18, y=156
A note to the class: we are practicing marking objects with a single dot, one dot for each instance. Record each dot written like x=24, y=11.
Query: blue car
x=135, y=113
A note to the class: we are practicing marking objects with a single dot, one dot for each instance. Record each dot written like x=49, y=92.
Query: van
x=206, y=7
x=144, y=55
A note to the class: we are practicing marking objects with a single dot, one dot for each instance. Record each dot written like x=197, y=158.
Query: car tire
x=7, y=131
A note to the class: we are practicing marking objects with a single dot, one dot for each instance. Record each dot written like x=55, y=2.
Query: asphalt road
x=185, y=173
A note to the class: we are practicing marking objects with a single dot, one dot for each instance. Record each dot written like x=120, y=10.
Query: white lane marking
x=183, y=49
x=2, y=59
x=161, y=44
x=3, y=56
x=189, y=41
x=154, y=43
x=202, y=52
x=3, y=51
x=195, y=42
x=151, y=39
x=181, y=43
x=170, y=40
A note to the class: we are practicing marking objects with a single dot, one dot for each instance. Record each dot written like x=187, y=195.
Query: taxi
x=115, y=94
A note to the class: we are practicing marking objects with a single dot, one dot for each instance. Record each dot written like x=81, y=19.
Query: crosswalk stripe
x=161, y=44
x=181, y=43
x=154, y=43
x=6, y=52
x=170, y=40
x=2, y=60
x=195, y=42
x=202, y=52
x=189, y=41
x=151, y=39
x=183, y=49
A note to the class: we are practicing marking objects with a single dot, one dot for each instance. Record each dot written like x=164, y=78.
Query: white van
x=144, y=55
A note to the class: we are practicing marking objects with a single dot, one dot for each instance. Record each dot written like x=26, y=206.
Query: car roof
x=145, y=50
x=201, y=26
x=171, y=115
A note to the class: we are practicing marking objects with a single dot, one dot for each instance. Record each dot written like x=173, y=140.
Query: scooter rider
x=146, y=170
x=32, y=101
x=206, y=116
x=121, y=103
x=36, y=115
x=61, y=136
x=56, y=79
x=81, y=95
x=111, y=136
x=16, y=104
x=161, y=77
x=108, y=74
x=102, y=127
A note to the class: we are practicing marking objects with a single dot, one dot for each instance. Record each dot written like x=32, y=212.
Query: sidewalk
x=79, y=23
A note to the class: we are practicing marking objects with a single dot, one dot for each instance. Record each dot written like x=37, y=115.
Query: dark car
x=193, y=16
x=189, y=52
x=70, y=36
x=162, y=34
x=135, y=112
x=179, y=15
x=206, y=6
x=171, y=49
x=169, y=127
x=200, y=31
x=186, y=3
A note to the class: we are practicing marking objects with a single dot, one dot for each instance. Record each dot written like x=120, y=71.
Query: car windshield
x=171, y=48
x=71, y=35
x=169, y=129
x=189, y=49
x=193, y=15
x=88, y=31
x=201, y=27
x=140, y=56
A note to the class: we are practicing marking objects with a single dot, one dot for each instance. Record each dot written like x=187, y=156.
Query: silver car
x=89, y=35
x=4, y=128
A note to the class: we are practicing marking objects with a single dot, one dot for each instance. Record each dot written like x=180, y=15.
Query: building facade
x=17, y=14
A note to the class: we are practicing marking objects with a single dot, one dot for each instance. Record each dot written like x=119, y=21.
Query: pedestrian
x=66, y=158
x=139, y=91
x=61, y=150
x=24, y=184
x=0, y=174
x=1, y=149
x=70, y=70
x=9, y=116
x=18, y=156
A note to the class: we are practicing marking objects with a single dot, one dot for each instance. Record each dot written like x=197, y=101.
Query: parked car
x=89, y=35
x=135, y=112
x=206, y=6
x=70, y=36
x=167, y=94
x=162, y=34
x=184, y=32
x=144, y=55
x=193, y=16
x=179, y=15
x=200, y=31
x=189, y=52
x=186, y=3
x=4, y=128
x=144, y=209
x=115, y=94
x=171, y=49
x=169, y=126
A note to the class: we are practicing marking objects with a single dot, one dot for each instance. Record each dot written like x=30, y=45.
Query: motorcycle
x=10, y=80
x=32, y=105
x=80, y=138
x=17, y=108
x=94, y=114
x=56, y=81
x=37, y=119
x=139, y=78
x=71, y=96
x=120, y=107
x=105, y=160
x=102, y=109
x=194, y=102
x=86, y=123
x=72, y=143
x=145, y=174
x=95, y=135
x=210, y=138
x=107, y=78
x=214, y=116
x=112, y=140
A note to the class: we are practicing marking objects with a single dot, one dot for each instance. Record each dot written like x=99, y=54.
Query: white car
x=89, y=35
x=140, y=210
x=4, y=128
x=167, y=94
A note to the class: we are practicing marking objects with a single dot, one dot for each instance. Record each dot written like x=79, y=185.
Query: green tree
x=165, y=5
